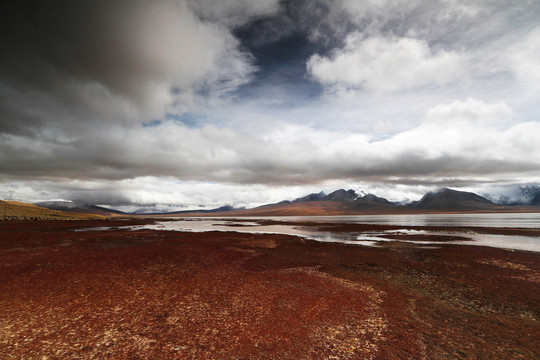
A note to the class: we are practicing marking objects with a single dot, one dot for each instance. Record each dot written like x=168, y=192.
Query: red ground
x=170, y=295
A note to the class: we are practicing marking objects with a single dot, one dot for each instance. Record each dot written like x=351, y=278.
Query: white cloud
x=386, y=64
x=470, y=111
x=524, y=59
x=461, y=142
x=470, y=137
x=464, y=139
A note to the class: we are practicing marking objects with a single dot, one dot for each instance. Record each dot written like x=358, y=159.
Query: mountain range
x=344, y=202
x=348, y=202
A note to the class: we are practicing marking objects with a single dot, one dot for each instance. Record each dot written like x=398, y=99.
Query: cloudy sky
x=204, y=102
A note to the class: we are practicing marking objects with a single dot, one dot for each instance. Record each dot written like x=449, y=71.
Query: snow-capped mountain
x=517, y=195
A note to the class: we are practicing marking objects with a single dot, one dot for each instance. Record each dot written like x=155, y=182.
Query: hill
x=453, y=200
x=14, y=210
x=72, y=207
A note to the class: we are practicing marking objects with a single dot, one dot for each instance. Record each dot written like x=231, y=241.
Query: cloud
x=436, y=21
x=481, y=48
x=74, y=63
x=384, y=64
x=233, y=12
x=168, y=194
x=461, y=139
x=94, y=96
x=524, y=58
x=470, y=111
x=466, y=139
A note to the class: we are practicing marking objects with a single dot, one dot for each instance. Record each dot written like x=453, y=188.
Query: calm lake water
x=375, y=238
x=513, y=220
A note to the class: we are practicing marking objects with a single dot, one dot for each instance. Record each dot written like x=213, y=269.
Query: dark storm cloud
x=53, y=42
x=68, y=63
x=77, y=76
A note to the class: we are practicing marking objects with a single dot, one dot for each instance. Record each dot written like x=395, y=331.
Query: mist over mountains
x=349, y=201
x=517, y=195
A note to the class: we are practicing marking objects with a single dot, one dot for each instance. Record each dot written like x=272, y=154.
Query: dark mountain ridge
x=311, y=197
x=341, y=195
x=453, y=200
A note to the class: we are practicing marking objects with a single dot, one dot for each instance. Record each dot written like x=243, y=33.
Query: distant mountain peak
x=362, y=193
x=311, y=197
x=341, y=195
x=370, y=198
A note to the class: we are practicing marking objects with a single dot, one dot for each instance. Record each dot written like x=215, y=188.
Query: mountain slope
x=373, y=199
x=311, y=197
x=341, y=195
x=453, y=200
x=72, y=207
x=14, y=210
x=536, y=200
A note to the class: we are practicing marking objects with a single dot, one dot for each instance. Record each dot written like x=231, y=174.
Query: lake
x=375, y=238
x=511, y=220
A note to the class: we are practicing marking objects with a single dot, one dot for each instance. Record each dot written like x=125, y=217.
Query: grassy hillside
x=14, y=210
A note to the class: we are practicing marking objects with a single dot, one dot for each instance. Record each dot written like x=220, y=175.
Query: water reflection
x=513, y=220
x=372, y=238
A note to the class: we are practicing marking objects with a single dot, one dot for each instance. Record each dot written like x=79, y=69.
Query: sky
x=182, y=104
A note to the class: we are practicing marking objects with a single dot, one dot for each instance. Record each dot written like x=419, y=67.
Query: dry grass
x=14, y=210
x=121, y=294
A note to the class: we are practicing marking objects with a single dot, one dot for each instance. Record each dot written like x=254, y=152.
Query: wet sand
x=150, y=294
